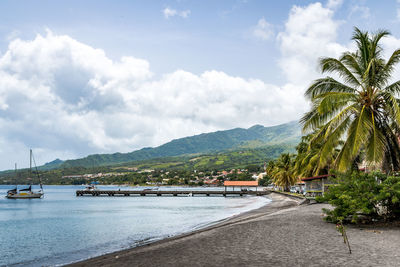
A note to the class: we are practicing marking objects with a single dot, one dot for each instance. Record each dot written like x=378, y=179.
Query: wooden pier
x=175, y=193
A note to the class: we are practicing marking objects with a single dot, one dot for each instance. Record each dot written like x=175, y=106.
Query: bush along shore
x=363, y=198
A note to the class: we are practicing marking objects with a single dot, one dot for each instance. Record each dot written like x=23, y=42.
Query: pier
x=112, y=193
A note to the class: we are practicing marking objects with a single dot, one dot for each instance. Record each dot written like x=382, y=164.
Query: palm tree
x=270, y=167
x=361, y=107
x=282, y=173
x=308, y=161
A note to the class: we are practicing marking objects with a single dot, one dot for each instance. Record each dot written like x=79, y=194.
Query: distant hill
x=215, y=161
x=257, y=136
x=52, y=165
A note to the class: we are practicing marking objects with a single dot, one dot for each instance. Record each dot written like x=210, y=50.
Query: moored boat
x=26, y=193
x=91, y=187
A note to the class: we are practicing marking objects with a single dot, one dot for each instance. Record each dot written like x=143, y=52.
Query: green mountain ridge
x=284, y=135
x=222, y=150
x=256, y=136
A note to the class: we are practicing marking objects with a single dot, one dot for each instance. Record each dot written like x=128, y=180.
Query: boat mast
x=16, y=178
x=30, y=164
x=37, y=171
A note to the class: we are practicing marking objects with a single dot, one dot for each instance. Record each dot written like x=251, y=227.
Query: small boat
x=26, y=192
x=190, y=194
x=91, y=187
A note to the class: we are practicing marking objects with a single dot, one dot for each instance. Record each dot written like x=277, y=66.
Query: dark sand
x=282, y=233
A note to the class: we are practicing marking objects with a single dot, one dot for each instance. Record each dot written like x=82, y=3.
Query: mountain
x=51, y=165
x=254, y=137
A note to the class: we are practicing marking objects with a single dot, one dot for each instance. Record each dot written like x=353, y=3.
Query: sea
x=62, y=228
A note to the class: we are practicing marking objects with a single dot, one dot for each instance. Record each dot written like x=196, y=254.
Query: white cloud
x=390, y=44
x=263, y=30
x=334, y=4
x=67, y=99
x=169, y=12
x=309, y=34
x=361, y=11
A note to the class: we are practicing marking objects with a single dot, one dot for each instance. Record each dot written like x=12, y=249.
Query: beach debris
x=342, y=230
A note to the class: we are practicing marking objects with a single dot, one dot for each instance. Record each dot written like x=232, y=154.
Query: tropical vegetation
x=355, y=122
x=353, y=131
x=359, y=105
x=363, y=197
x=281, y=171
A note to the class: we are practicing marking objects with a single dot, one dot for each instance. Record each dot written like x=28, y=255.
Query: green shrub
x=266, y=180
x=363, y=197
x=389, y=197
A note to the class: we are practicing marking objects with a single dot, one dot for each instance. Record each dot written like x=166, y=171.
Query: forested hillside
x=255, y=137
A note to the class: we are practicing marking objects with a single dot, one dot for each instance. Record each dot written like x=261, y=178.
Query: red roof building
x=240, y=183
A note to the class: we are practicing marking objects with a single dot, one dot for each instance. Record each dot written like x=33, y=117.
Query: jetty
x=112, y=193
x=229, y=189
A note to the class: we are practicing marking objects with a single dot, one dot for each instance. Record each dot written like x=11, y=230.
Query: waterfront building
x=317, y=185
x=240, y=184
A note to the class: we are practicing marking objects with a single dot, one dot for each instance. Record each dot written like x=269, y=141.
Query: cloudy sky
x=84, y=77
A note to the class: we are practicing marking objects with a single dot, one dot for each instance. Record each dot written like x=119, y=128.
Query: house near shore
x=208, y=181
x=260, y=176
x=317, y=185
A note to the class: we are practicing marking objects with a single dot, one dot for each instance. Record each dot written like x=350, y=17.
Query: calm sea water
x=62, y=228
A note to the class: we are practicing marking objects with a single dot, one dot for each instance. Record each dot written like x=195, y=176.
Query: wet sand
x=282, y=233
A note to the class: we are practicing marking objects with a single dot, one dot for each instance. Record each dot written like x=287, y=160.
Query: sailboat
x=26, y=192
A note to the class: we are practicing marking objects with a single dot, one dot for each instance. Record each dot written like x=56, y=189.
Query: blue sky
x=82, y=77
x=216, y=34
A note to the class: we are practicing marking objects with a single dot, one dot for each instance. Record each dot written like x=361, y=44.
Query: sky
x=87, y=77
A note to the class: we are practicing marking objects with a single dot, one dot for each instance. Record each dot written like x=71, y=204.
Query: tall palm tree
x=282, y=173
x=308, y=160
x=270, y=167
x=361, y=107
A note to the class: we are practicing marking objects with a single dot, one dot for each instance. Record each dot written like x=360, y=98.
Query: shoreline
x=282, y=233
x=67, y=253
x=278, y=202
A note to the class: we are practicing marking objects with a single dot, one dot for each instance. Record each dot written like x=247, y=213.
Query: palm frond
x=327, y=85
x=393, y=88
x=334, y=65
x=350, y=60
x=334, y=101
x=375, y=146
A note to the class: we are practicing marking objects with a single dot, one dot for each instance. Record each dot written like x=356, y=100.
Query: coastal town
x=161, y=177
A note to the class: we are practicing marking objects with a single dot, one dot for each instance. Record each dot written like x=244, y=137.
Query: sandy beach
x=282, y=233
